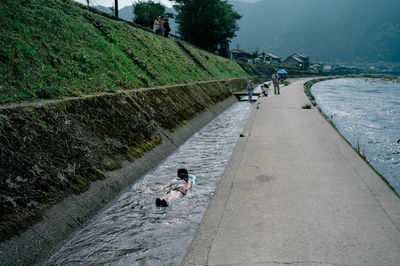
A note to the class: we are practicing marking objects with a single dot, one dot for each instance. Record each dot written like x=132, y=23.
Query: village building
x=298, y=60
x=327, y=69
x=316, y=67
x=269, y=58
x=239, y=55
x=343, y=70
x=222, y=49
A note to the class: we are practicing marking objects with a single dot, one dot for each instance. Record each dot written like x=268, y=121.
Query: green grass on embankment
x=56, y=48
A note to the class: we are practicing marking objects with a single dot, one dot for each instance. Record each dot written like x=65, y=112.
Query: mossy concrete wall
x=62, y=161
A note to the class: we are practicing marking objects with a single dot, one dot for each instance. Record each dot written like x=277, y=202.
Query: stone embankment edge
x=68, y=216
x=307, y=91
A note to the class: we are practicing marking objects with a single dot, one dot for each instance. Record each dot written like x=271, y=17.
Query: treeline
x=204, y=23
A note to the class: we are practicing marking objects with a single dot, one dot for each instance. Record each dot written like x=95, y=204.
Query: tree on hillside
x=146, y=11
x=206, y=23
x=255, y=53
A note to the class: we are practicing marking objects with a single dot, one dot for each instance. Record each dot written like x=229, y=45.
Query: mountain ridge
x=344, y=30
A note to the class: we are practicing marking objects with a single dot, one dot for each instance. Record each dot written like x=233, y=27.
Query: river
x=367, y=113
x=133, y=231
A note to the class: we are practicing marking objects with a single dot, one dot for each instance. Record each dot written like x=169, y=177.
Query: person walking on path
x=275, y=81
x=250, y=88
x=167, y=29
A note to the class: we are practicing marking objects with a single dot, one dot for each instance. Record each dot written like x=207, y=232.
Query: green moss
x=139, y=150
x=78, y=187
x=90, y=173
x=112, y=166
x=15, y=223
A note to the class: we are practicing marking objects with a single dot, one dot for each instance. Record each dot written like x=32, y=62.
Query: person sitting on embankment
x=178, y=188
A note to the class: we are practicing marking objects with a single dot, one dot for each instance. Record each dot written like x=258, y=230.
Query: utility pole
x=116, y=8
x=88, y=3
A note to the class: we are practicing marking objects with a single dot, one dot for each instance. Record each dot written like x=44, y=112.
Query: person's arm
x=167, y=186
x=188, y=187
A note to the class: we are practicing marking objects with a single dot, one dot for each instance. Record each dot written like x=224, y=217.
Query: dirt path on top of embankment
x=50, y=101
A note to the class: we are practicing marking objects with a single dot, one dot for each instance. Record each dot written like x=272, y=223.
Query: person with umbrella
x=282, y=73
x=275, y=81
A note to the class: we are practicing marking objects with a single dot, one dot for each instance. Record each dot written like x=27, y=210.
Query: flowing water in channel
x=133, y=231
x=367, y=113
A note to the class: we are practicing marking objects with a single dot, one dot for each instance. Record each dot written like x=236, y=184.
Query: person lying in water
x=178, y=188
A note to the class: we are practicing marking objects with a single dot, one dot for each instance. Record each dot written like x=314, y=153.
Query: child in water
x=178, y=188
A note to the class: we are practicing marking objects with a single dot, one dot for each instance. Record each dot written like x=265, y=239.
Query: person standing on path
x=250, y=88
x=167, y=29
x=275, y=81
x=156, y=25
x=161, y=26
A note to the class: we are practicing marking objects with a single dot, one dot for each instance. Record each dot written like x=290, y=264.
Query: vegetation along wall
x=88, y=104
x=56, y=48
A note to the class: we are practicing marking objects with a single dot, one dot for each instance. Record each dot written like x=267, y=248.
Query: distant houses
x=340, y=70
x=221, y=49
x=239, y=55
x=298, y=60
x=316, y=67
x=270, y=58
x=343, y=70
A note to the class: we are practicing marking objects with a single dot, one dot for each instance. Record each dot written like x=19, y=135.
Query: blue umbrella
x=282, y=72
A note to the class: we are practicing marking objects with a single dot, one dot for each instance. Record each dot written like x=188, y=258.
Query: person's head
x=262, y=86
x=250, y=81
x=183, y=174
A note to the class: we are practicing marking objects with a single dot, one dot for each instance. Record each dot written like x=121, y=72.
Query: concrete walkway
x=296, y=193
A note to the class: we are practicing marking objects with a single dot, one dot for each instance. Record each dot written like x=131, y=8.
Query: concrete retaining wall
x=150, y=125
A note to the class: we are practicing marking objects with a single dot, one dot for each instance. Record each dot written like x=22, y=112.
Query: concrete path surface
x=296, y=193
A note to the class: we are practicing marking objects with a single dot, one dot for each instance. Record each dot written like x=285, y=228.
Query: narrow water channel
x=133, y=231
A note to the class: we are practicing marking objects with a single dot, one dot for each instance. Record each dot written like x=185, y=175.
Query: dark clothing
x=167, y=29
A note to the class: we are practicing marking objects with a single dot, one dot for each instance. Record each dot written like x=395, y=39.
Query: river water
x=367, y=113
x=133, y=231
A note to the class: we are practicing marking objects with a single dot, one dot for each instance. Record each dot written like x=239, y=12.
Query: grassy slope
x=56, y=48
x=220, y=67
